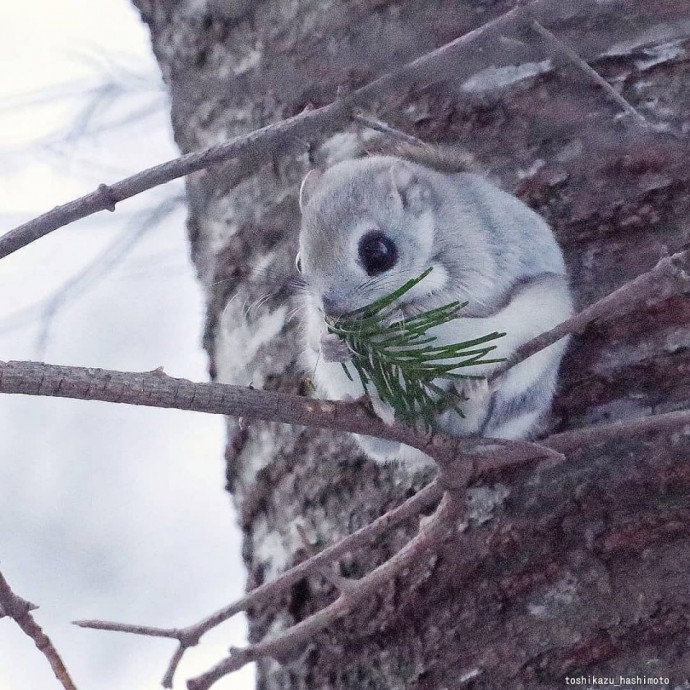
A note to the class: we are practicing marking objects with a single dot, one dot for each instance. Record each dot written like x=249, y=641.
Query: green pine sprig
x=400, y=359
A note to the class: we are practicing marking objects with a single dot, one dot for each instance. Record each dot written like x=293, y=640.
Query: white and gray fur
x=486, y=248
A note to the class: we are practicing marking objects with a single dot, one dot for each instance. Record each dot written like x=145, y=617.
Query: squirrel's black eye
x=377, y=253
x=298, y=263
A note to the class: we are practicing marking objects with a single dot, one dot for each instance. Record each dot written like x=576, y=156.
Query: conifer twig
x=398, y=355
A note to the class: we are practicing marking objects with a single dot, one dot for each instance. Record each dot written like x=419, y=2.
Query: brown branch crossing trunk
x=582, y=568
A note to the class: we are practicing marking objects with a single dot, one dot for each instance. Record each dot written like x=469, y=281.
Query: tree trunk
x=579, y=569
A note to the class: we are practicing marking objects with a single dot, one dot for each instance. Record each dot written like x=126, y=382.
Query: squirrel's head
x=368, y=227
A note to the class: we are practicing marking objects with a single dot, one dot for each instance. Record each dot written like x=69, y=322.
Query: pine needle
x=395, y=355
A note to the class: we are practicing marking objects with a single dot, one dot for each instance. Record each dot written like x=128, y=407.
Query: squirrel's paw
x=333, y=349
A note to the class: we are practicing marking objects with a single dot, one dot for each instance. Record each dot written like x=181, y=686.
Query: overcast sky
x=106, y=511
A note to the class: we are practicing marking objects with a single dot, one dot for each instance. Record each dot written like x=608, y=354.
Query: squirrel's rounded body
x=370, y=225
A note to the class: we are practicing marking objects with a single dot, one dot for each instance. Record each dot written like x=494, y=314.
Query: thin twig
x=297, y=635
x=564, y=443
x=562, y=48
x=189, y=636
x=670, y=276
x=257, y=148
x=19, y=610
x=568, y=441
x=386, y=129
x=493, y=456
x=260, y=146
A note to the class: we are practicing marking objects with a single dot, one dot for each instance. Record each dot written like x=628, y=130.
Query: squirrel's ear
x=309, y=183
x=407, y=188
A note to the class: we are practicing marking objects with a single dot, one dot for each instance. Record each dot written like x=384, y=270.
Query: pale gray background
x=107, y=511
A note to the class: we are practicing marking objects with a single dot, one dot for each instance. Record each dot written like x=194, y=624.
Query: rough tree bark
x=581, y=568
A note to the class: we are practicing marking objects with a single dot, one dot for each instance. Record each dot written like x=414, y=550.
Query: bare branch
x=560, y=47
x=569, y=441
x=146, y=630
x=19, y=610
x=295, y=636
x=260, y=146
x=564, y=442
x=669, y=277
x=356, y=590
x=342, y=584
x=384, y=128
x=157, y=389
x=190, y=636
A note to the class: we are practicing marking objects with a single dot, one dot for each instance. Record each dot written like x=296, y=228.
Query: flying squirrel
x=371, y=224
